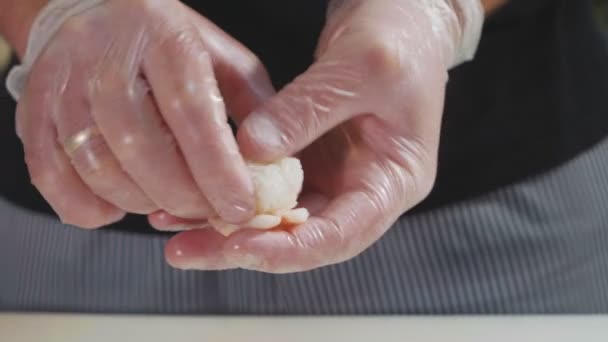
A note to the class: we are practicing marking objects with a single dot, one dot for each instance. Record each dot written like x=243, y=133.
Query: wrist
x=16, y=19
x=467, y=27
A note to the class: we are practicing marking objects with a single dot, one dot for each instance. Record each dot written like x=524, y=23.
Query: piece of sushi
x=277, y=187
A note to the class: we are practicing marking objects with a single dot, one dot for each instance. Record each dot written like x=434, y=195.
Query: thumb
x=356, y=63
x=321, y=98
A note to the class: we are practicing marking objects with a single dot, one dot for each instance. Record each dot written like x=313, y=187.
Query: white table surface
x=51, y=328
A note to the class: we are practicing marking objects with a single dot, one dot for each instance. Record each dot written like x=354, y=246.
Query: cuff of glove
x=461, y=20
x=471, y=17
x=46, y=25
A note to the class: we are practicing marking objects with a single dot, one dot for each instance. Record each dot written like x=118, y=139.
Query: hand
x=365, y=120
x=123, y=111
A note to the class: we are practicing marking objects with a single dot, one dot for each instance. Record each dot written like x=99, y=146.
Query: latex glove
x=365, y=118
x=138, y=88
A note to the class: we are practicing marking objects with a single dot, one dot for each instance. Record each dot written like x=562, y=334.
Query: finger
x=338, y=233
x=193, y=254
x=243, y=79
x=377, y=190
x=301, y=112
x=49, y=168
x=166, y=222
x=100, y=170
x=206, y=243
x=163, y=221
x=193, y=107
x=344, y=82
x=91, y=157
x=135, y=133
x=349, y=225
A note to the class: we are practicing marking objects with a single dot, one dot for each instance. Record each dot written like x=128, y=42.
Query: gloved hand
x=365, y=120
x=121, y=109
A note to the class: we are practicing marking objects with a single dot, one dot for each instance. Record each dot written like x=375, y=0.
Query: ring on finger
x=73, y=143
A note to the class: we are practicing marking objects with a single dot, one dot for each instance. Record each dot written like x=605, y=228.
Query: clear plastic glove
x=365, y=120
x=121, y=109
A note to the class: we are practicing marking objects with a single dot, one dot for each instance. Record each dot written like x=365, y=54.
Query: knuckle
x=382, y=57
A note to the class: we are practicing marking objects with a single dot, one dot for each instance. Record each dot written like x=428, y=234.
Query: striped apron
x=538, y=246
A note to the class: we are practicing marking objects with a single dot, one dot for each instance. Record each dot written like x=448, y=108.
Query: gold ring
x=72, y=144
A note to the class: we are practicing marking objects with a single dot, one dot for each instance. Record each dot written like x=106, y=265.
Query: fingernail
x=245, y=261
x=248, y=262
x=177, y=228
x=198, y=264
x=265, y=131
x=185, y=227
x=235, y=211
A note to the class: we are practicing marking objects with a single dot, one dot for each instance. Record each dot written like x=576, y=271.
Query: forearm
x=16, y=18
x=490, y=6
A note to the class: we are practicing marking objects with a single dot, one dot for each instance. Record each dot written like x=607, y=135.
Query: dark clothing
x=533, y=98
x=517, y=222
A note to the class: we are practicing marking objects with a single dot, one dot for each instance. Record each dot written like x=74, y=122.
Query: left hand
x=365, y=120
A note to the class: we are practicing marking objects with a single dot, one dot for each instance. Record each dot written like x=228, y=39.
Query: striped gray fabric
x=540, y=246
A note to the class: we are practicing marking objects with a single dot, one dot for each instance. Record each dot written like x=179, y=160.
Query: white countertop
x=51, y=328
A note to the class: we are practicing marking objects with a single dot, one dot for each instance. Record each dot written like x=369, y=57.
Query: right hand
x=145, y=81
x=364, y=119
